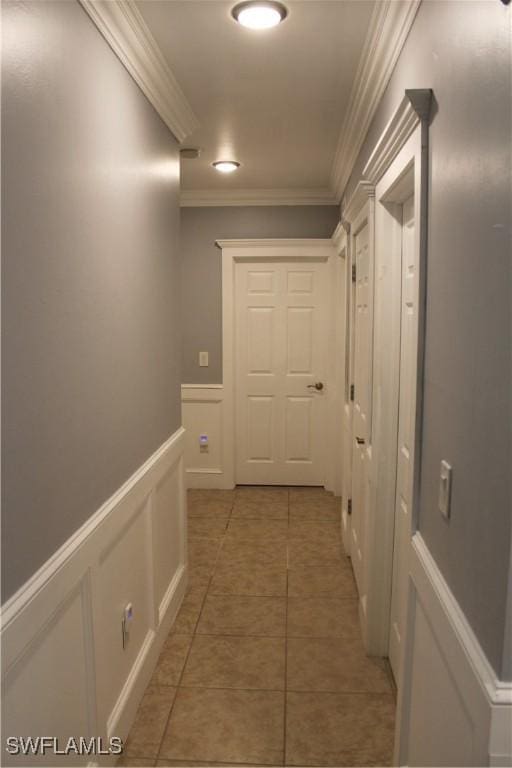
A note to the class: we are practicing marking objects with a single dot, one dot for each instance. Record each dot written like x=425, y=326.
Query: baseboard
x=452, y=708
x=204, y=413
x=64, y=669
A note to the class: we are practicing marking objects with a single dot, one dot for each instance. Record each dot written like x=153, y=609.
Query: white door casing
x=362, y=399
x=275, y=310
x=405, y=451
x=359, y=214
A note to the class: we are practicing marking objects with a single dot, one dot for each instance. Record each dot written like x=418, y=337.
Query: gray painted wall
x=90, y=301
x=462, y=51
x=201, y=271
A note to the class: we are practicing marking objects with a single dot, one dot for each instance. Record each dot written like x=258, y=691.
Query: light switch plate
x=203, y=359
x=445, y=489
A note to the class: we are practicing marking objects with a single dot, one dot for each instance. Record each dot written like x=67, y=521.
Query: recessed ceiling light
x=226, y=166
x=259, y=14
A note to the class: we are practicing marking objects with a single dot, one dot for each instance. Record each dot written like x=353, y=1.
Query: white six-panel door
x=280, y=354
x=406, y=410
x=362, y=400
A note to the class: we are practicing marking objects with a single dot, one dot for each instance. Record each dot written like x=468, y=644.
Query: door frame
x=359, y=212
x=402, y=146
x=257, y=250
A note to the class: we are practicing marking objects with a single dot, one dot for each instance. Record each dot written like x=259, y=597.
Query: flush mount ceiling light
x=259, y=14
x=226, y=166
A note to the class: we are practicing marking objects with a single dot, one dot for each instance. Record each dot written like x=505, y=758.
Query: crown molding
x=414, y=107
x=124, y=29
x=361, y=194
x=339, y=237
x=388, y=30
x=200, y=198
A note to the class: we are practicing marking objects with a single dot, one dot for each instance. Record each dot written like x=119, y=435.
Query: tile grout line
x=194, y=632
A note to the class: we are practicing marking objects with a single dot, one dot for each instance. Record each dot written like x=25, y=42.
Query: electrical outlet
x=203, y=359
x=204, y=445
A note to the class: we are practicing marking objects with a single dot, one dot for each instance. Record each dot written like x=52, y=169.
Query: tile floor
x=265, y=663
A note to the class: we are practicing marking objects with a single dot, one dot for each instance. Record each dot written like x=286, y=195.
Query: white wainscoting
x=452, y=710
x=204, y=413
x=64, y=670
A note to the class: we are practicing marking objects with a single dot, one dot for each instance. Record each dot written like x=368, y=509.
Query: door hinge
x=349, y=507
x=352, y=392
x=353, y=273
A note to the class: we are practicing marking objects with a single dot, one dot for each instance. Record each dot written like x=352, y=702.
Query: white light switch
x=445, y=489
x=203, y=359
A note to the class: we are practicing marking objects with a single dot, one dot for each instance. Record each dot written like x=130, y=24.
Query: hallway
x=265, y=662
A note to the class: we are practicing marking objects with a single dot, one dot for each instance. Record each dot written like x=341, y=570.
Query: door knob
x=317, y=385
x=360, y=440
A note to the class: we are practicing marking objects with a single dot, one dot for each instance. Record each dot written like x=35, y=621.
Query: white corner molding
x=339, y=237
x=388, y=30
x=201, y=198
x=363, y=192
x=121, y=24
x=413, y=109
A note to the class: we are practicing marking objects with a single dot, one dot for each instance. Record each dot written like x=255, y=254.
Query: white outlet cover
x=203, y=360
x=445, y=489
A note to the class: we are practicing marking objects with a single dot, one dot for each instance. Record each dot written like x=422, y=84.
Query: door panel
x=406, y=409
x=362, y=398
x=280, y=349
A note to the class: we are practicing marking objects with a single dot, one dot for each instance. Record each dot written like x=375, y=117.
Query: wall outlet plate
x=445, y=489
x=203, y=359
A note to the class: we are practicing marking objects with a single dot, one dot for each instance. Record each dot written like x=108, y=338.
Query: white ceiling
x=275, y=100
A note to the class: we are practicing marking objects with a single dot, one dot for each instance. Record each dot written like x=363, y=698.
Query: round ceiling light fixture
x=226, y=166
x=259, y=14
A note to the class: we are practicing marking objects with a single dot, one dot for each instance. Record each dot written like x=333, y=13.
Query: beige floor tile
x=261, y=493
x=308, y=493
x=149, y=726
x=134, y=762
x=320, y=512
x=327, y=581
x=206, y=527
x=248, y=580
x=257, y=531
x=203, y=552
x=323, y=617
x=335, y=729
x=219, y=510
x=189, y=763
x=236, y=662
x=226, y=726
x=188, y=614
x=313, y=530
x=172, y=660
x=245, y=509
x=199, y=576
x=314, y=553
x=213, y=494
x=269, y=554
x=256, y=616
x=334, y=664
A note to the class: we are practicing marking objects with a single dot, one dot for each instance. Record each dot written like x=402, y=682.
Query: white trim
x=197, y=422
x=360, y=196
x=71, y=608
x=171, y=449
x=200, y=198
x=388, y=30
x=123, y=27
x=486, y=702
x=238, y=250
x=277, y=249
x=403, y=122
